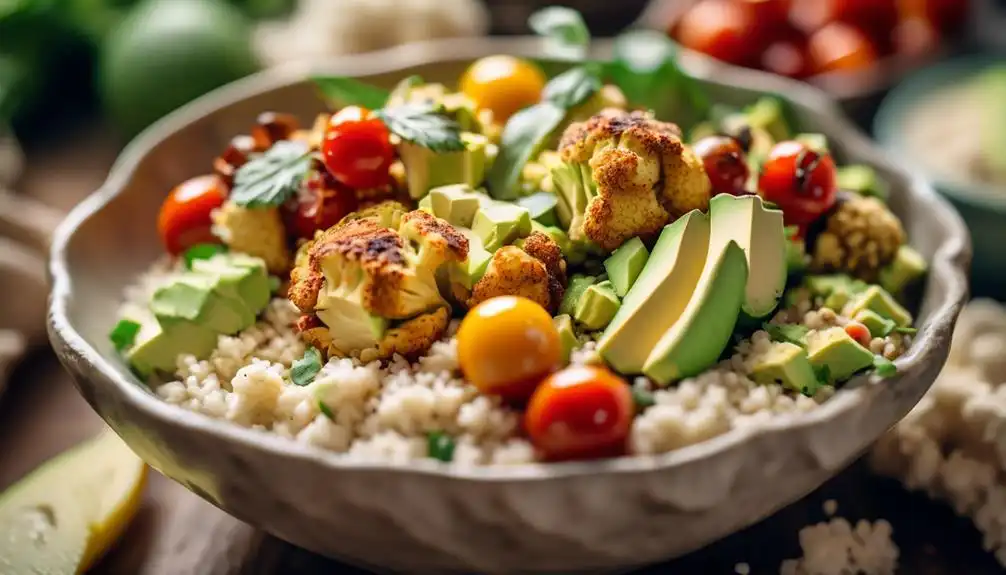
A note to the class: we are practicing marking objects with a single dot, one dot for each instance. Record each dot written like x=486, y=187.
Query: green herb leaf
x=789, y=231
x=424, y=125
x=883, y=366
x=124, y=334
x=274, y=283
x=906, y=330
x=303, y=370
x=325, y=410
x=524, y=135
x=565, y=30
x=440, y=446
x=643, y=399
x=273, y=177
x=202, y=252
x=339, y=91
x=572, y=88
x=789, y=333
x=822, y=373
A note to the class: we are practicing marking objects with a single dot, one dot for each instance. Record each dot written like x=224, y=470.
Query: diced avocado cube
x=836, y=289
x=862, y=180
x=597, y=306
x=625, y=265
x=193, y=297
x=878, y=300
x=541, y=207
x=785, y=364
x=578, y=284
x=834, y=352
x=456, y=203
x=567, y=335
x=239, y=277
x=767, y=114
x=468, y=272
x=906, y=269
x=879, y=326
x=158, y=346
x=426, y=204
x=500, y=223
x=426, y=169
x=816, y=142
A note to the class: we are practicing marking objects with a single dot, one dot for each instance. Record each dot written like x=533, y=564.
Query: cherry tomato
x=725, y=164
x=947, y=16
x=507, y=345
x=786, y=54
x=234, y=157
x=581, y=412
x=915, y=37
x=184, y=220
x=800, y=180
x=503, y=84
x=859, y=332
x=319, y=204
x=723, y=29
x=840, y=46
x=770, y=15
x=357, y=149
x=876, y=18
x=271, y=127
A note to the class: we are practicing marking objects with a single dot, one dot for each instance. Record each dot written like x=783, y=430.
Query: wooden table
x=177, y=533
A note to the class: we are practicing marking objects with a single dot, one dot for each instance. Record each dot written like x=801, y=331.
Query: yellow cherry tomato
x=503, y=84
x=507, y=345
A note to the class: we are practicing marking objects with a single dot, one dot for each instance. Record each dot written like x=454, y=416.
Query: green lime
x=168, y=52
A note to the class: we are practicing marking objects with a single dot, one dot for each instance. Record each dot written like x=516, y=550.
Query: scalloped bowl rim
x=404, y=57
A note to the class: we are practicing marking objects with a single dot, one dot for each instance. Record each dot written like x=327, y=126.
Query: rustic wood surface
x=177, y=533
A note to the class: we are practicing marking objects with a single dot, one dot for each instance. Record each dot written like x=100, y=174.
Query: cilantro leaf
x=271, y=178
x=440, y=446
x=202, y=252
x=524, y=134
x=572, y=88
x=124, y=334
x=303, y=370
x=424, y=125
x=883, y=366
x=643, y=399
x=564, y=29
x=822, y=373
x=326, y=410
x=788, y=332
x=339, y=91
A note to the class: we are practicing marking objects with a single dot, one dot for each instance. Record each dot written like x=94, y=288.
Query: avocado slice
x=541, y=207
x=876, y=299
x=625, y=265
x=862, y=180
x=456, y=203
x=835, y=353
x=786, y=364
x=760, y=232
x=426, y=169
x=878, y=325
x=660, y=294
x=238, y=277
x=196, y=298
x=597, y=306
x=567, y=335
x=907, y=268
x=158, y=344
x=578, y=284
x=500, y=223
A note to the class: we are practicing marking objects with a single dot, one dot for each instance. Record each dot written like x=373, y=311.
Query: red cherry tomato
x=723, y=29
x=357, y=149
x=786, y=54
x=725, y=164
x=947, y=16
x=801, y=181
x=874, y=17
x=840, y=46
x=580, y=413
x=770, y=15
x=859, y=332
x=184, y=220
x=319, y=204
x=915, y=37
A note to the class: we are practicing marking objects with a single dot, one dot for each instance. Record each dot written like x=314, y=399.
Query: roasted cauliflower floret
x=544, y=249
x=624, y=174
x=387, y=214
x=535, y=270
x=358, y=277
x=410, y=339
x=257, y=232
x=859, y=236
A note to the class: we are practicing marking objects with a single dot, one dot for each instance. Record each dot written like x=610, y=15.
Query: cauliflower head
x=257, y=232
x=625, y=174
x=359, y=277
x=536, y=271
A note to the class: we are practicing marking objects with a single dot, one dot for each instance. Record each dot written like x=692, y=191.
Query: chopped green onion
x=440, y=446
x=884, y=367
x=202, y=252
x=124, y=334
x=326, y=410
x=303, y=370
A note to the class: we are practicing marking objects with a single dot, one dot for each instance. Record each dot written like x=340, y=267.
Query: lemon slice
x=62, y=517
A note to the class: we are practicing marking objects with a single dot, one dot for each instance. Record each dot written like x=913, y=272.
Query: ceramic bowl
x=982, y=206
x=434, y=517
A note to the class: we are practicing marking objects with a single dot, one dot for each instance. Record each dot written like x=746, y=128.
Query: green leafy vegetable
x=202, y=252
x=339, y=91
x=822, y=373
x=124, y=334
x=423, y=124
x=303, y=370
x=565, y=30
x=883, y=366
x=326, y=410
x=271, y=178
x=440, y=446
x=524, y=134
x=789, y=333
x=572, y=88
x=642, y=398
x=789, y=231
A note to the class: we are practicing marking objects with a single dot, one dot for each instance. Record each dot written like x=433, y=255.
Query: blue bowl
x=982, y=206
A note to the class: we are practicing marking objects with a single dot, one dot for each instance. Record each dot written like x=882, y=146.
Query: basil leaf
x=271, y=178
x=572, y=88
x=326, y=410
x=340, y=91
x=303, y=370
x=645, y=67
x=422, y=124
x=124, y=334
x=789, y=333
x=524, y=134
x=440, y=446
x=565, y=30
x=202, y=252
x=883, y=366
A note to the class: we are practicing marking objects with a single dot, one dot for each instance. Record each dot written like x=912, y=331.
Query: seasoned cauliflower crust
x=860, y=236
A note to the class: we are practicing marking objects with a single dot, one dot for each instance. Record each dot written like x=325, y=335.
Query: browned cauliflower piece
x=544, y=249
x=257, y=232
x=533, y=269
x=859, y=236
x=625, y=174
x=410, y=339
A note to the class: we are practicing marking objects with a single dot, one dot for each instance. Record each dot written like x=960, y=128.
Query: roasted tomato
x=725, y=164
x=839, y=46
x=581, y=412
x=800, y=180
x=357, y=149
x=184, y=220
x=503, y=84
x=786, y=54
x=271, y=127
x=319, y=204
x=723, y=29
